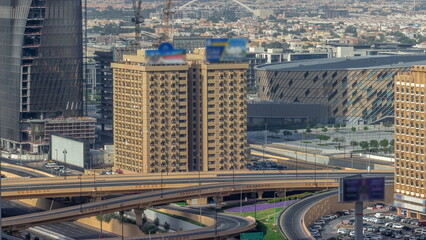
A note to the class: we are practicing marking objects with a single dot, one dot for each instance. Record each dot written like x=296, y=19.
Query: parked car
x=392, y=208
x=414, y=222
x=397, y=226
x=422, y=224
x=342, y=231
x=65, y=170
x=379, y=215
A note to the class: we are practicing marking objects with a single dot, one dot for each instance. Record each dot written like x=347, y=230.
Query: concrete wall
x=43, y=203
x=114, y=226
x=175, y=224
x=195, y=217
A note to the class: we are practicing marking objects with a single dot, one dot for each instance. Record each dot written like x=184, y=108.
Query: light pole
x=81, y=195
x=275, y=219
x=199, y=219
x=161, y=181
x=65, y=163
x=122, y=221
x=241, y=201
x=215, y=228
x=296, y=163
x=264, y=146
x=199, y=169
x=315, y=165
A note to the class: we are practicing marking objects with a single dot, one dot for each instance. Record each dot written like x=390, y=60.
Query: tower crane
x=138, y=19
x=167, y=11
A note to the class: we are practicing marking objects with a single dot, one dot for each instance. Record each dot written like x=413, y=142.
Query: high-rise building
x=40, y=67
x=217, y=114
x=410, y=194
x=186, y=117
x=150, y=116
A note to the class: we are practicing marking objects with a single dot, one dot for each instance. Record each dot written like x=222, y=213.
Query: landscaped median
x=266, y=212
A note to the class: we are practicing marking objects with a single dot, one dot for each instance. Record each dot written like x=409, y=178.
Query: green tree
x=287, y=133
x=308, y=130
x=323, y=137
x=149, y=228
x=365, y=128
x=353, y=129
x=384, y=143
x=364, y=145
x=157, y=222
x=166, y=226
x=374, y=144
x=353, y=144
x=324, y=129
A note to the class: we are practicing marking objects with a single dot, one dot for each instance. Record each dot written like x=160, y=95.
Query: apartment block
x=410, y=193
x=150, y=116
x=186, y=117
x=218, y=114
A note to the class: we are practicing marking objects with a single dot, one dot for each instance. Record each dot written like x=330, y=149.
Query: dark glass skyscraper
x=40, y=66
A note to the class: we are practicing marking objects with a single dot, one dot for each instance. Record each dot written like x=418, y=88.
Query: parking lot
x=379, y=223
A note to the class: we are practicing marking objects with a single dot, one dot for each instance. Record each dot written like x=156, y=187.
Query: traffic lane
x=75, y=183
x=225, y=222
x=112, y=205
x=68, y=229
x=75, y=231
x=291, y=218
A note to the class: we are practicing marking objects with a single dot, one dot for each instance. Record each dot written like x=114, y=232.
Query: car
x=379, y=215
x=319, y=227
x=319, y=223
x=65, y=170
x=398, y=236
x=57, y=168
x=406, y=220
x=392, y=208
x=389, y=224
x=342, y=231
x=373, y=220
x=50, y=165
x=326, y=218
x=351, y=222
x=414, y=222
x=381, y=229
x=397, y=226
x=387, y=232
x=380, y=221
x=422, y=224
x=352, y=234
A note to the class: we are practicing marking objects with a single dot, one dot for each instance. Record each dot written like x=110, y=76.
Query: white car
x=397, y=226
x=342, y=231
x=379, y=215
x=389, y=224
x=398, y=236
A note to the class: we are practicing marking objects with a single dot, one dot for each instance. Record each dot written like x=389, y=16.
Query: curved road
x=290, y=220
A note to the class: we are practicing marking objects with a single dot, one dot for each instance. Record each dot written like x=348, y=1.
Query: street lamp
x=264, y=146
x=65, y=163
x=161, y=182
x=122, y=221
x=275, y=219
x=81, y=195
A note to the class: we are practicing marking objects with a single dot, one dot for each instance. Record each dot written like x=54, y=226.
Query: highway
x=116, y=184
x=147, y=199
x=290, y=220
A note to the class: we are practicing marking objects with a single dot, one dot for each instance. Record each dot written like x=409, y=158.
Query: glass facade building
x=40, y=65
x=355, y=90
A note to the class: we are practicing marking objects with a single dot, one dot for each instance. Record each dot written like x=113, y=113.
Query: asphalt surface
x=290, y=219
x=221, y=178
x=68, y=229
x=225, y=222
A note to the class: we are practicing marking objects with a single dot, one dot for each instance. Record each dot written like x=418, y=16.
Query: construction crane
x=167, y=11
x=138, y=19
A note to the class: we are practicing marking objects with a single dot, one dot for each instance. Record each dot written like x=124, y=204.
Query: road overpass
x=97, y=186
x=222, y=186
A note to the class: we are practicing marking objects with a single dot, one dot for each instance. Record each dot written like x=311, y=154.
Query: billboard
x=226, y=50
x=77, y=150
x=165, y=54
x=360, y=189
